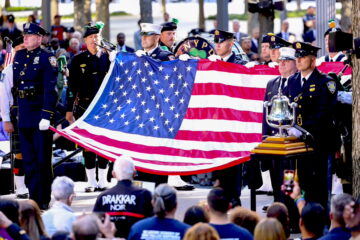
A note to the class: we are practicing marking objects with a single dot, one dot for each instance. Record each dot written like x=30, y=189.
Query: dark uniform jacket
x=235, y=59
x=35, y=77
x=126, y=204
x=162, y=55
x=86, y=74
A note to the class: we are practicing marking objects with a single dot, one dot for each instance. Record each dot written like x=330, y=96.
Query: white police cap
x=287, y=53
x=150, y=29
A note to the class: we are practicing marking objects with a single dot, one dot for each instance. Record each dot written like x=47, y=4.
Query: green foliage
x=19, y=9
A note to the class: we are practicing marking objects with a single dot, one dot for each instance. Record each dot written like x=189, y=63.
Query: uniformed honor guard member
x=86, y=73
x=275, y=44
x=315, y=94
x=168, y=36
x=265, y=51
x=35, y=76
x=9, y=116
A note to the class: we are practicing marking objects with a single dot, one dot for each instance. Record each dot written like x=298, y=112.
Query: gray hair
x=164, y=200
x=124, y=168
x=62, y=188
x=338, y=203
x=74, y=39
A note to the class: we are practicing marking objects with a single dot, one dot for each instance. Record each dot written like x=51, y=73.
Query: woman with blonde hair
x=201, y=231
x=30, y=220
x=269, y=229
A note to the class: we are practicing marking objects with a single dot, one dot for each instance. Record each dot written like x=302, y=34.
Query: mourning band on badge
x=331, y=85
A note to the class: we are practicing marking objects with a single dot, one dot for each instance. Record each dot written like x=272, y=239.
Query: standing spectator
x=218, y=205
x=236, y=29
x=137, y=38
x=245, y=218
x=137, y=201
x=195, y=214
x=308, y=18
x=201, y=231
x=57, y=30
x=269, y=229
x=120, y=46
x=32, y=19
x=60, y=216
x=284, y=33
x=68, y=36
x=163, y=226
x=312, y=221
x=166, y=17
x=310, y=34
x=255, y=40
x=12, y=32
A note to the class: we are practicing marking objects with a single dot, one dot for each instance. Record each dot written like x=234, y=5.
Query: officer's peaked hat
x=168, y=26
x=92, y=28
x=287, y=53
x=32, y=28
x=278, y=42
x=304, y=49
x=221, y=36
x=266, y=38
x=150, y=29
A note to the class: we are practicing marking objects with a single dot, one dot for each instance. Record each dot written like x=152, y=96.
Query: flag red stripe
x=223, y=114
x=218, y=136
x=231, y=91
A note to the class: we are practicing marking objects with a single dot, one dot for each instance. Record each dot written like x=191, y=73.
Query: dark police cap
x=18, y=41
x=304, y=49
x=221, y=36
x=92, y=28
x=266, y=38
x=10, y=18
x=168, y=26
x=32, y=28
x=70, y=30
x=278, y=42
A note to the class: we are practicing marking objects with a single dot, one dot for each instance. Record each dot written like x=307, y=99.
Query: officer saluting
x=35, y=76
x=86, y=73
x=315, y=94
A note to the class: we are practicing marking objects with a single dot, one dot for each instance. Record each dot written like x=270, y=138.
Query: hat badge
x=273, y=39
x=298, y=45
x=217, y=32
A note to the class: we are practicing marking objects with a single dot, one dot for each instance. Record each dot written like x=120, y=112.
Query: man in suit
x=12, y=32
x=285, y=34
x=120, y=46
x=236, y=29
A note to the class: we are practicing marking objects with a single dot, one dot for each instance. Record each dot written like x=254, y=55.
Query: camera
x=342, y=41
x=289, y=180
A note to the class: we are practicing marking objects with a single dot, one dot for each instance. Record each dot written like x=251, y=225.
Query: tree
x=345, y=22
x=87, y=11
x=356, y=102
x=201, y=14
x=7, y=4
x=82, y=14
x=163, y=6
x=102, y=14
x=146, y=11
x=54, y=9
x=298, y=5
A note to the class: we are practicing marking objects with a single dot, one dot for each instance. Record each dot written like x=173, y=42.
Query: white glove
x=184, y=57
x=344, y=97
x=250, y=64
x=214, y=57
x=44, y=124
x=112, y=56
x=294, y=132
x=273, y=64
x=140, y=53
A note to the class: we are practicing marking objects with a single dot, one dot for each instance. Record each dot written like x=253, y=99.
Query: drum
x=196, y=47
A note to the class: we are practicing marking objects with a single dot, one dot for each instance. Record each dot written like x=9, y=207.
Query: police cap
x=69, y=29
x=278, y=42
x=92, y=28
x=221, y=36
x=18, y=41
x=266, y=38
x=168, y=26
x=10, y=18
x=304, y=49
x=32, y=28
x=150, y=29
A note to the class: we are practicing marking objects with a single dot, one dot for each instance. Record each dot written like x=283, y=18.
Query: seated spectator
x=201, y=231
x=312, y=221
x=280, y=212
x=30, y=220
x=246, y=46
x=245, y=218
x=284, y=33
x=218, y=205
x=352, y=218
x=11, y=230
x=163, y=226
x=269, y=229
x=337, y=226
x=60, y=216
x=85, y=227
x=195, y=214
x=126, y=202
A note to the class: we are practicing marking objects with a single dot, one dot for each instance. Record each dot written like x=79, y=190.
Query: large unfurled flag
x=176, y=117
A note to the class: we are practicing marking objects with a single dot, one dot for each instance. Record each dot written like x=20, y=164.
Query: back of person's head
x=313, y=218
x=217, y=200
x=86, y=228
x=62, y=188
x=60, y=235
x=124, y=168
x=280, y=212
x=10, y=208
x=245, y=218
x=30, y=219
x=164, y=200
x=269, y=229
x=338, y=203
x=195, y=214
x=201, y=231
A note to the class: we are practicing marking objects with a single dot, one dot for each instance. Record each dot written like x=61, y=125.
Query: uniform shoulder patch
x=53, y=61
x=331, y=85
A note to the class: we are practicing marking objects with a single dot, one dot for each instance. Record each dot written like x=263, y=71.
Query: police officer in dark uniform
x=315, y=94
x=168, y=36
x=35, y=76
x=86, y=73
x=331, y=56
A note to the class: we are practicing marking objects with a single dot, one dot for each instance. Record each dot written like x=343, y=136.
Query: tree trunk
x=345, y=22
x=163, y=6
x=102, y=14
x=356, y=102
x=87, y=11
x=146, y=11
x=201, y=15
x=266, y=23
x=7, y=4
x=298, y=5
x=79, y=15
x=54, y=9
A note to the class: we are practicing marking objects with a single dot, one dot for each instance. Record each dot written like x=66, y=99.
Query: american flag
x=9, y=55
x=176, y=117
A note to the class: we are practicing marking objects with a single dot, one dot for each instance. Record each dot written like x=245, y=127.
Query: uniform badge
x=331, y=85
x=52, y=61
x=296, y=99
x=298, y=45
x=273, y=38
x=36, y=60
x=83, y=65
x=299, y=120
x=217, y=32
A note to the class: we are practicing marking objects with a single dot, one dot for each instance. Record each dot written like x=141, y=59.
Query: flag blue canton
x=144, y=96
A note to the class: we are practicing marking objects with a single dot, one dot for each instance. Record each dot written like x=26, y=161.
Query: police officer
x=331, y=56
x=35, y=76
x=168, y=36
x=8, y=114
x=150, y=36
x=275, y=44
x=315, y=94
x=86, y=73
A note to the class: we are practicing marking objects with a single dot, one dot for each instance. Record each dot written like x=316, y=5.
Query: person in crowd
x=218, y=206
x=330, y=56
x=265, y=50
x=284, y=33
x=54, y=46
x=79, y=36
x=269, y=229
x=85, y=227
x=163, y=226
x=166, y=17
x=351, y=217
x=168, y=36
x=120, y=46
x=86, y=73
x=280, y=212
x=58, y=30
x=201, y=231
x=68, y=36
x=245, y=218
x=138, y=204
x=45, y=41
x=245, y=43
x=74, y=47
x=195, y=214
x=30, y=220
x=308, y=18
x=137, y=38
x=60, y=216
x=310, y=34
x=31, y=19
x=9, y=229
x=275, y=44
x=236, y=30
x=11, y=31
x=312, y=221
x=255, y=37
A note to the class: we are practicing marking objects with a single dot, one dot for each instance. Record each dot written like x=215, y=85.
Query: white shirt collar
x=307, y=76
x=227, y=57
x=152, y=50
x=335, y=57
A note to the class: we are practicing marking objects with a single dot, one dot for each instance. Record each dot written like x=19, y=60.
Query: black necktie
x=303, y=81
x=331, y=60
x=283, y=80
